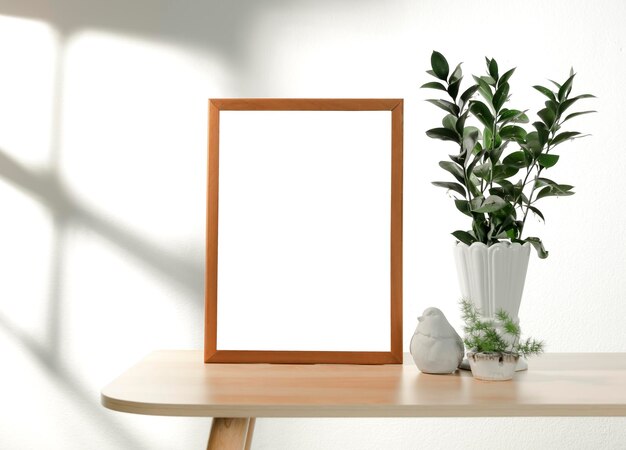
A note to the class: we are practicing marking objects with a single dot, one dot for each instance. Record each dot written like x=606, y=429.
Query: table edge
x=338, y=411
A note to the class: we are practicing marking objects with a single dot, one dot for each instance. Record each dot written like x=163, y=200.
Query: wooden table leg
x=250, y=433
x=231, y=434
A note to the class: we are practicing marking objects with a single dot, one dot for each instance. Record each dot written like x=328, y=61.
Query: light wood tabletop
x=179, y=383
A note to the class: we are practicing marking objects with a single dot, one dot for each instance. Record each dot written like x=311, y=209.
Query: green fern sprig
x=483, y=335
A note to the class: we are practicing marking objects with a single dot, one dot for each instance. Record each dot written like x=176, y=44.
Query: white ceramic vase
x=492, y=277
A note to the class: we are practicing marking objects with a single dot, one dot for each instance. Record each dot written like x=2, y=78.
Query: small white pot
x=492, y=366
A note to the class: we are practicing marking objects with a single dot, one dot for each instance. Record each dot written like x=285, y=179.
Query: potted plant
x=494, y=344
x=499, y=176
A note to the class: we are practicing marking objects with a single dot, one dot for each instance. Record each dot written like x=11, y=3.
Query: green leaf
x=453, y=88
x=457, y=74
x=456, y=187
x=454, y=169
x=558, y=190
x=566, y=88
x=433, y=85
x=547, y=92
x=511, y=233
x=476, y=202
x=507, y=186
x=479, y=227
x=513, y=132
x=502, y=172
x=472, y=184
x=516, y=159
x=459, y=159
x=534, y=143
x=471, y=131
x=444, y=134
x=571, y=116
x=505, y=78
x=493, y=69
x=512, y=115
x=552, y=106
x=546, y=160
x=430, y=72
x=491, y=204
x=449, y=122
x=497, y=142
x=496, y=152
x=536, y=242
x=460, y=123
x=542, y=132
x=484, y=88
x=465, y=96
x=463, y=206
x=511, y=191
x=440, y=65
x=477, y=158
x=569, y=102
x=555, y=83
x=548, y=116
x=487, y=138
x=482, y=113
x=536, y=211
x=464, y=237
x=497, y=191
x=539, y=182
x=483, y=171
x=489, y=80
x=446, y=106
x=563, y=137
x=503, y=222
x=500, y=96
x=470, y=136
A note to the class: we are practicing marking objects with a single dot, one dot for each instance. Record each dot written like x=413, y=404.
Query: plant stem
x=553, y=129
x=528, y=172
x=530, y=200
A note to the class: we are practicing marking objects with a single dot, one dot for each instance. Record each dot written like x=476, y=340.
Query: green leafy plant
x=499, y=167
x=495, y=336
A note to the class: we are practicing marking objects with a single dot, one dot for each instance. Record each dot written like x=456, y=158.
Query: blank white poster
x=304, y=230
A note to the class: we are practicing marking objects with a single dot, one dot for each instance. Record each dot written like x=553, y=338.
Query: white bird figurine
x=435, y=346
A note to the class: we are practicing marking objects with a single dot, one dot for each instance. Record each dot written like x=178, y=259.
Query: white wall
x=102, y=187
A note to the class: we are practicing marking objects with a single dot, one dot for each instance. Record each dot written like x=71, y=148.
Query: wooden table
x=178, y=383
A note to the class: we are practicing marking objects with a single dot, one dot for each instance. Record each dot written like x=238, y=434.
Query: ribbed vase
x=493, y=277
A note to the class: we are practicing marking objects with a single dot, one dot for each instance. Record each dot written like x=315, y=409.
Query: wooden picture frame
x=211, y=352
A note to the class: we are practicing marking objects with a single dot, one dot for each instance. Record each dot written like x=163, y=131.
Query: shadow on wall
x=222, y=28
